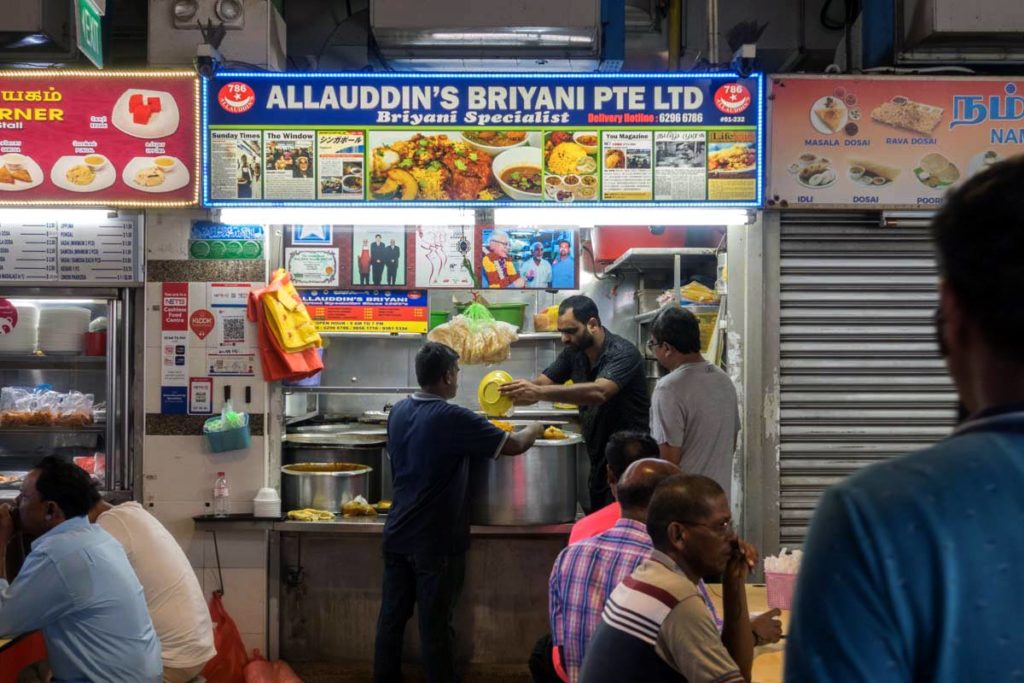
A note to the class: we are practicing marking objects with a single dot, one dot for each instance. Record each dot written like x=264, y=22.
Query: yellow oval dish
x=565, y=406
x=489, y=394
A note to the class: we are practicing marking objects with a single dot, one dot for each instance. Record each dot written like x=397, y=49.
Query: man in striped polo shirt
x=659, y=623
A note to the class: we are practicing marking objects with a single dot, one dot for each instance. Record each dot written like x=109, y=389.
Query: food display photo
x=570, y=165
x=156, y=174
x=19, y=172
x=483, y=165
x=89, y=173
x=148, y=114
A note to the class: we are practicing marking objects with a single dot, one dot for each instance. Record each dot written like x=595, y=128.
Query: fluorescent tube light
x=341, y=215
x=591, y=216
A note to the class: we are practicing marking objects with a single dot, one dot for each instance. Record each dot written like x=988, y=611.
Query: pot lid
x=345, y=438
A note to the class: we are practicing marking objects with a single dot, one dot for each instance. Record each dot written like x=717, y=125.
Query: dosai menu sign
x=482, y=139
x=103, y=139
x=372, y=311
x=894, y=143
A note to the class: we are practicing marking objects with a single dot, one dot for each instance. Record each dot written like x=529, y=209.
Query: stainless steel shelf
x=373, y=335
x=640, y=259
x=34, y=362
x=356, y=390
x=99, y=428
x=539, y=336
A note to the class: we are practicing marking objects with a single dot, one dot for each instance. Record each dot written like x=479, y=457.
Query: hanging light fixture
x=230, y=12
x=184, y=12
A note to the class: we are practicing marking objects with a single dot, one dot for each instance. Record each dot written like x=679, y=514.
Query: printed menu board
x=104, y=251
x=104, y=139
x=482, y=139
x=384, y=311
x=883, y=142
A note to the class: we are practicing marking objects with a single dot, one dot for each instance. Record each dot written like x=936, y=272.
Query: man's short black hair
x=433, y=362
x=678, y=328
x=625, y=448
x=979, y=237
x=377, y=235
x=583, y=308
x=67, y=485
x=680, y=498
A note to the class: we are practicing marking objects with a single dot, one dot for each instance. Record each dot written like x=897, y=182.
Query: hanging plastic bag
x=229, y=664
x=259, y=670
x=476, y=336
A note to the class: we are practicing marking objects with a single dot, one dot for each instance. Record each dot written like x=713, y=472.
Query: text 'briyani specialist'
x=420, y=104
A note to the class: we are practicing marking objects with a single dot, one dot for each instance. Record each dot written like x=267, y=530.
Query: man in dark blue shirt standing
x=910, y=569
x=430, y=443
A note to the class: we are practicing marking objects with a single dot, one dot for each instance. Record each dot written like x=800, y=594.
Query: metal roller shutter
x=860, y=375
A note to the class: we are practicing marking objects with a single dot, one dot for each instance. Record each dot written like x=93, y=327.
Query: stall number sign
x=90, y=32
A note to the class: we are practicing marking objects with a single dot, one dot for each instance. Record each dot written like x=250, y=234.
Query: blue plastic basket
x=228, y=440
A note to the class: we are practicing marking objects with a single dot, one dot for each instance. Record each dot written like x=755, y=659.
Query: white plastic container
x=220, y=495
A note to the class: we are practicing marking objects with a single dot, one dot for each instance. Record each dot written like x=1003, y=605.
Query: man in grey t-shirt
x=694, y=410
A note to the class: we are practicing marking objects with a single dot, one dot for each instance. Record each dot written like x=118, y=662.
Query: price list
x=93, y=252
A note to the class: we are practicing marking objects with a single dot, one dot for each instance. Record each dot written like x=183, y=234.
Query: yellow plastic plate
x=489, y=394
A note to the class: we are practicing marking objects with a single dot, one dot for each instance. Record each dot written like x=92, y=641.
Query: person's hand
x=767, y=627
x=741, y=562
x=520, y=282
x=6, y=525
x=536, y=430
x=521, y=391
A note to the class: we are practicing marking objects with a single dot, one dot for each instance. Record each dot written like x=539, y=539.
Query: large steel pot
x=537, y=487
x=324, y=486
x=333, y=444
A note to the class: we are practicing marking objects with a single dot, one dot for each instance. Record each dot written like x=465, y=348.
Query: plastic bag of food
x=75, y=409
x=476, y=336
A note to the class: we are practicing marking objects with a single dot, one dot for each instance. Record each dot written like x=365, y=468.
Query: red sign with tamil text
x=111, y=139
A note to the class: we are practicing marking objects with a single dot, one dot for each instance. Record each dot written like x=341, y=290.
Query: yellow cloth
x=287, y=317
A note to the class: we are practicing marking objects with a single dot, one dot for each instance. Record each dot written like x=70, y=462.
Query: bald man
x=585, y=573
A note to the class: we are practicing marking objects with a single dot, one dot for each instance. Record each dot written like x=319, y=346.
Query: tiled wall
x=178, y=472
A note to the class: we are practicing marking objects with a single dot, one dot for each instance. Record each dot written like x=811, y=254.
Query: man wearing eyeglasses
x=695, y=414
x=660, y=624
x=499, y=270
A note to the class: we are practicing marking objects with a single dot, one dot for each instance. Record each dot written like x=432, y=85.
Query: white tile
x=152, y=316
x=245, y=596
x=238, y=550
x=151, y=380
x=167, y=233
x=180, y=468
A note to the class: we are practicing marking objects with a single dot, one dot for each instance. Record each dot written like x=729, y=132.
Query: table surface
x=768, y=659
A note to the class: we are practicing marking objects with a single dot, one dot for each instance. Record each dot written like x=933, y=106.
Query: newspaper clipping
x=680, y=170
x=627, y=165
x=732, y=165
x=340, y=165
x=288, y=164
x=236, y=171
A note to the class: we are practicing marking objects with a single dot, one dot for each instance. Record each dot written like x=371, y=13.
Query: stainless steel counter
x=357, y=526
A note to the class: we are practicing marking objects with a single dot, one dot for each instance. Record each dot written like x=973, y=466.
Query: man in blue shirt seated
x=76, y=585
x=910, y=568
x=430, y=444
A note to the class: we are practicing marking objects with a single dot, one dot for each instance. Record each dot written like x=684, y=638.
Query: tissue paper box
x=780, y=590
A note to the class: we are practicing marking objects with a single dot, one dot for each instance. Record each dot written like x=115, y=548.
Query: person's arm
x=737, y=636
x=674, y=454
x=767, y=627
x=520, y=442
x=35, y=600
x=860, y=631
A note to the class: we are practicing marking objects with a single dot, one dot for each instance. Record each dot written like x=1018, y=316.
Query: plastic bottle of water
x=220, y=496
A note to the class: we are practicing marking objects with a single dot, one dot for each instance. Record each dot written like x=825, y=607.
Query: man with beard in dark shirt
x=609, y=385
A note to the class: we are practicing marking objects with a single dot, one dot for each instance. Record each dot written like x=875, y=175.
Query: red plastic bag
x=259, y=670
x=229, y=664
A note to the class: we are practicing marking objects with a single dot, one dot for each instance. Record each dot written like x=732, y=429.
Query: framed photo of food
x=535, y=257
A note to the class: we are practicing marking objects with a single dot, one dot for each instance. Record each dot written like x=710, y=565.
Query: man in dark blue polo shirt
x=609, y=385
x=430, y=443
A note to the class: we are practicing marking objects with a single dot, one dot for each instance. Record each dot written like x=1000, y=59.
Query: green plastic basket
x=512, y=314
x=438, y=318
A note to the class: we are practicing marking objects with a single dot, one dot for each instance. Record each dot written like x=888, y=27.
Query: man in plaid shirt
x=585, y=573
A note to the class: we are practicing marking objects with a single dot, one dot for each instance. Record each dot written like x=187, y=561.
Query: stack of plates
x=61, y=329
x=22, y=337
x=489, y=393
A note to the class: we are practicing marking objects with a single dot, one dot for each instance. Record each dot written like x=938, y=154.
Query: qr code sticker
x=234, y=330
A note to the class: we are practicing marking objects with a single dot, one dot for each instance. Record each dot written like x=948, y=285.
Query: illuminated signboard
x=482, y=139
x=113, y=138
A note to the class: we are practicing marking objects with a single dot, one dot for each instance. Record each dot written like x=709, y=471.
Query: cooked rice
x=431, y=182
x=564, y=157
